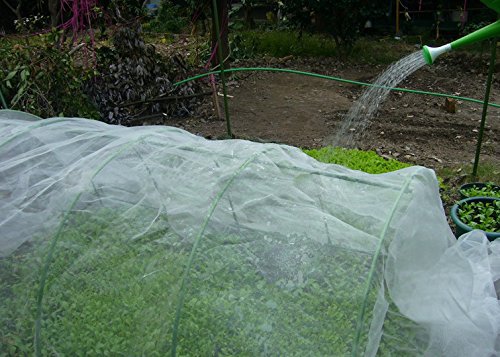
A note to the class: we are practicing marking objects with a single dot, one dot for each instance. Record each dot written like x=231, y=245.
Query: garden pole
x=4, y=104
x=485, y=105
x=397, y=17
x=221, y=64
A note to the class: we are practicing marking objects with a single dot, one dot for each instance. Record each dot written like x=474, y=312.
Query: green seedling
x=366, y=161
x=481, y=215
x=246, y=294
x=489, y=190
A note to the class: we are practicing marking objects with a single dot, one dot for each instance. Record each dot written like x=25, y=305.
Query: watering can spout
x=431, y=53
x=487, y=32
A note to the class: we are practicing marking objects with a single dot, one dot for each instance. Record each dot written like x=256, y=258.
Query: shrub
x=170, y=19
x=341, y=19
x=44, y=80
x=131, y=74
x=280, y=44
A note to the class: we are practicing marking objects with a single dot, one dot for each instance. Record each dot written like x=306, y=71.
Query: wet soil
x=306, y=112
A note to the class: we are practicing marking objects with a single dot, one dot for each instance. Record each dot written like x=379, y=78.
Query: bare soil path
x=306, y=112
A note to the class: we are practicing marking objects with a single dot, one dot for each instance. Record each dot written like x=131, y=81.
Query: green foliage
x=367, y=161
x=107, y=294
x=128, y=10
x=236, y=23
x=381, y=51
x=489, y=190
x=44, y=80
x=454, y=177
x=486, y=171
x=171, y=19
x=480, y=19
x=342, y=19
x=281, y=43
x=481, y=215
x=31, y=24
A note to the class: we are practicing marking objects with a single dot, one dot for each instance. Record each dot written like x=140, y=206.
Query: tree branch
x=146, y=117
x=164, y=99
x=11, y=8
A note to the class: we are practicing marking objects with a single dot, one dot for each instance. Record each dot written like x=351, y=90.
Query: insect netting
x=153, y=241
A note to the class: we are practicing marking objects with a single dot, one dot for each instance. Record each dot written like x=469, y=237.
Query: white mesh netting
x=153, y=241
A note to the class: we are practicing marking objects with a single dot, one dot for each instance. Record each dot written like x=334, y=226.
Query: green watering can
x=492, y=30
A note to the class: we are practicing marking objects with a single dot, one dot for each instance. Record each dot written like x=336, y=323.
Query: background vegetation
x=46, y=70
x=49, y=46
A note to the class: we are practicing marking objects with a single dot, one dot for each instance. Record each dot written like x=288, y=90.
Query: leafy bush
x=170, y=19
x=367, y=161
x=342, y=19
x=44, y=80
x=280, y=44
x=31, y=24
x=481, y=215
x=383, y=51
x=131, y=74
x=125, y=10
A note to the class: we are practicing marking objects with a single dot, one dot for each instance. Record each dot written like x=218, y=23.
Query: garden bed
x=304, y=112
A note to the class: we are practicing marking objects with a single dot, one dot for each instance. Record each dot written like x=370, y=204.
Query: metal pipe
x=485, y=105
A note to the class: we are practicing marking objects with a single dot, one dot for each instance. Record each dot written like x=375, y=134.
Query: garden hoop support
x=337, y=79
x=2, y=99
x=485, y=105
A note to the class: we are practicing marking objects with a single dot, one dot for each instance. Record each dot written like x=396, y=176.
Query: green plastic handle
x=492, y=4
x=490, y=31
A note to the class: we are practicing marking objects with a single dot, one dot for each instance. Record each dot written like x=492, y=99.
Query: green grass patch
x=282, y=43
x=367, y=161
x=458, y=175
x=379, y=51
x=454, y=177
x=285, y=43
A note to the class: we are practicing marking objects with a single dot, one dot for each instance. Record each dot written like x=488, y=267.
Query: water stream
x=359, y=116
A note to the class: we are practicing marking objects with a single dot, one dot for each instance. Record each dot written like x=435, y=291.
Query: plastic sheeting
x=153, y=241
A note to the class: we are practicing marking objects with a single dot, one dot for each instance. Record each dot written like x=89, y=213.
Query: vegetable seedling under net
x=153, y=241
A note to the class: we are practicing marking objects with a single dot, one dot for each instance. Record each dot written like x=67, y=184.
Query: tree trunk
x=249, y=20
x=222, y=7
x=54, y=12
x=16, y=10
